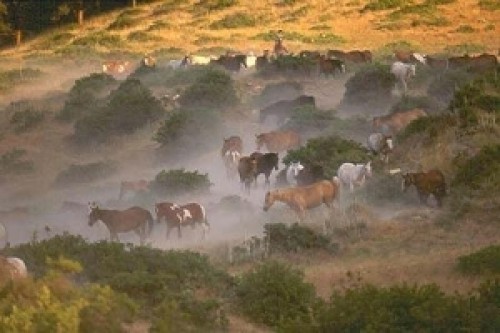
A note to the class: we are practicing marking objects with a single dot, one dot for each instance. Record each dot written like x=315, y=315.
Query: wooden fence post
x=18, y=34
x=80, y=17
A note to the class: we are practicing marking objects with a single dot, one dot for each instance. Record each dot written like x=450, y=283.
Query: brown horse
x=395, y=122
x=427, y=183
x=133, y=186
x=119, y=221
x=300, y=199
x=277, y=142
x=179, y=216
x=232, y=148
x=233, y=143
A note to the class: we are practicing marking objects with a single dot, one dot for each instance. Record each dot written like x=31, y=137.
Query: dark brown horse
x=180, y=216
x=427, y=183
x=119, y=221
x=133, y=186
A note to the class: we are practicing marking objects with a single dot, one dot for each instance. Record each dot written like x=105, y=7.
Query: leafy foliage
x=86, y=95
x=370, y=82
x=213, y=89
x=171, y=128
x=309, y=117
x=413, y=102
x=295, y=238
x=481, y=171
x=329, y=152
x=383, y=4
x=489, y=5
x=11, y=78
x=26, y=119
x=179, y=181
x=129, y=107
x=84, y=173
x=429, y=127
x=209, y=5
x=276, y=295
x=484, y=261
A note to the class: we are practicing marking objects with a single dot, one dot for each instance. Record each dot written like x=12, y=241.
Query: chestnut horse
x=397, y=121
x=133, y=186
x=300, y=199
x=186, y=215
x=119, y=221
x=276, y=141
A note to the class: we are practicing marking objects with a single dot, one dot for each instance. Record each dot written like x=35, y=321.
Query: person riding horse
x=279, y=48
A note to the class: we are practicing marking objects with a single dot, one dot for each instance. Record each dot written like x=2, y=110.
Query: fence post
x=80, y=17
x=18, y=34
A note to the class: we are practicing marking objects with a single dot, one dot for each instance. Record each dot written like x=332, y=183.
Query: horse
x=283, y=109
x=403, y=72
x=381, y=144
x=179, y=63
x=397, y=121
x=431, y=182
x=330, y=66
x=179, y=216
x=276, y=142
x=233, y=143
x=119, y=221
x=201, y=60
x=247, y=169
x=12, y=268
x=354, y=174
x=231, y=159
x=300, y=199
x=292, y=172
x=133, y=186
x=116, y=67
x=265, y=164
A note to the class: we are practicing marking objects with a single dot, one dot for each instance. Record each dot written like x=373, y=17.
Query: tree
x=4, y=24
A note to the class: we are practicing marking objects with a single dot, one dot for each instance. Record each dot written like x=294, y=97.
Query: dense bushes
x=12, y=162
x=129, y=107
x=309, y=117
x=481, y=172
x=329, y=152
x=214, y=89
x=84, y=173
x=179, y=181
x=86, y=96
x=171, y=129
x=443, y=87
x=10, y=78
x=276, y=295
x=294, y=238
x=26, y=119
x=413, y=102
x=429, y=127
x=484, y=261
x=285, y=90
x=373, y=82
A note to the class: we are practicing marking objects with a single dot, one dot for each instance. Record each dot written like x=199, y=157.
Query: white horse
x=354, y=174
x=403, y=72
x=292, y=172
x=201, y=60
x=14, y=266
x=250, y=60
x=179, y=63
x=231, y=160
x=381, y=144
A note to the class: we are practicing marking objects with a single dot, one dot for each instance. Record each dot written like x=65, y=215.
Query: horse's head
x=389, y=142
x=408, y=180
x=260, y=140
x=94, y=215
x=268, y=200
x=295, y=168
x=368, y=169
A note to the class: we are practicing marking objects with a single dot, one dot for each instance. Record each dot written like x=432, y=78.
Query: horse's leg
x=179, y=234
x=168, y=231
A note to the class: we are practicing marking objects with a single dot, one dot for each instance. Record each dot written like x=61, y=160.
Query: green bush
x=414, y=102
x=429, y=127
x=443, y=87
x=369, y=83
x=481, y=172
x=84, y=173
x=484, y=261
x=309, y=117
x=233, y=21
x=275, y=294
x=179, y=181
x=328, y=152
x=171, y=129
x=209, y=5
x=26, y=119
x=489, y=5
x=86, y=95
x=13, y=77
x=11, y=162
x=295, y=238
x=383, y=4
x=100, y=38
x=465, y=29
x=129, y=108
x=278, y=91
x=213, y=89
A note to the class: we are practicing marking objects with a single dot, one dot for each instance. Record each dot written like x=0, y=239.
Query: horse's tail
x=151, y=224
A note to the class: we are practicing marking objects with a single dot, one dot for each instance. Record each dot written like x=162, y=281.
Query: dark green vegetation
x=236, y=20
x=12, y=162
x=295, y=238
x=370, y=83
x=179, y=181
x=328, y=152
x=11, y=78
x=26, y=119
x=84, y=173
x=414, y=102
x=485, y=261
x=482, y=171
x=309, y=117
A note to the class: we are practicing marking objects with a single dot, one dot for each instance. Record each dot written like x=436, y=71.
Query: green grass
x=489, y=5
x=383, y=4
x=142, y=36
x=123, y=21
x=464, y=48
x=101, y=38
x=233, y=21
x=466, y=29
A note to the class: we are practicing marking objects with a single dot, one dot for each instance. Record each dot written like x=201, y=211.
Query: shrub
x=443, y=88
x=100, y=38
x=232, y=21
x=413, y=102
x=11, y=78
x=481, y=172
x=213, y=89
x=84, y=173
x=178, y=181
x=295, y=238
x=489, y=5
x=279, y=91
x=26, y=119
x=369, y=83
x=86, y=95
x=171, y=128
x=275, y=294
x=130, y=107
x=328, y=152
x=429, y=127
x=309, y=117
x=465, y=29
x=399, y=308
x=383, y=4
x=484, y=261
x=123, y=21
x=11, y=162
x=209, y=5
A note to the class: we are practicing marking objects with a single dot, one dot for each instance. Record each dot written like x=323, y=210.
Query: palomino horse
x=133, y=186
x=380, y=144
x=397, y=121
x=354, y=174
x=12, y=268
x=300, y=199
x=403, y=72
x=179, y=216
x=276, y=141
x=120, y=221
